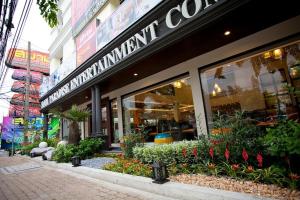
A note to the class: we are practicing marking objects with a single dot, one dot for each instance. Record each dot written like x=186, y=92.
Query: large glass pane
x=260, y=86
x=104, y=121
x=115, y=127
x=166, y=109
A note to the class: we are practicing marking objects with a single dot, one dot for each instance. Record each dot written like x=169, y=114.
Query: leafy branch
x=49, y=10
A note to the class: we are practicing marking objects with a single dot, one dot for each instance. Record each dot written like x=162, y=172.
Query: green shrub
x=64, y=153
x=88, y=147
x=25, y=150
x=168, y=153
x=85, y=149
x=270, y=175
x=130, y=141
x=52, y=142
x=283, y=140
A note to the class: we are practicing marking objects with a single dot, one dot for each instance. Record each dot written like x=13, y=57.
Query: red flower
x=227, y=153
x=211, y=152
x=259, y=159
x=195, y=152
x=235, y=167
x=294, y=177
x=245, y=155
x=249, y=169
x=216, y=142
x=184, y=152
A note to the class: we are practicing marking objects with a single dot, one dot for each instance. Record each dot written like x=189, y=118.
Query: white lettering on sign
x=183, y=9
x=132, y=44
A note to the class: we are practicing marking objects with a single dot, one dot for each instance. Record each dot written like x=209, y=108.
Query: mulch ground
x=250, y=187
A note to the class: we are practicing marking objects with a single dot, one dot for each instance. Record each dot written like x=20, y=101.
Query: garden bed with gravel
x=97, y=162
x=230, y=184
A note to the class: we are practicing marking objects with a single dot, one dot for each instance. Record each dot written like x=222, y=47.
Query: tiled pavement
x=22, y=180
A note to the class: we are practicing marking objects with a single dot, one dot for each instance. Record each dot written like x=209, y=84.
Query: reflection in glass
x=257, y=85
x=166, y=109
x=115, y=127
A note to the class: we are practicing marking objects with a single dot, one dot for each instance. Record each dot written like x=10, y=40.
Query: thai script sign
x=20, y=74
x=20, y=87
x=18, y=58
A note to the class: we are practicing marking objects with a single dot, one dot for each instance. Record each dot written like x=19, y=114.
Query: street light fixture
x=76, y=161
x=160, y=173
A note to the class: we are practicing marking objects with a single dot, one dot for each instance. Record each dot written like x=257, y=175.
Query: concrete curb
x=169, y=189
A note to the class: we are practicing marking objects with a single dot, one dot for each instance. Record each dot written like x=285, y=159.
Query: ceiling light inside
x=227, y=33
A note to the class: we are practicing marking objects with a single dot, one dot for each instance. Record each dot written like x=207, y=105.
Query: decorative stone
x=39, y=151
x=48, y=154
x=43, y=145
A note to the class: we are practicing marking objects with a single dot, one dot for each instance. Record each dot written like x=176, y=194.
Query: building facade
x=173, y=66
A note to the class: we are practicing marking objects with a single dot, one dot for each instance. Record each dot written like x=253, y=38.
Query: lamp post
x=76, y=161
x=160, y=173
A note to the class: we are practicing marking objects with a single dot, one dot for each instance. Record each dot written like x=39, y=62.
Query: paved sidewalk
x=3, y=153
x=30, y=181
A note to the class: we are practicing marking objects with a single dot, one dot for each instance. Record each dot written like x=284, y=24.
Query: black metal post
x=93, y=111
x=45, y=125
x=98, y=110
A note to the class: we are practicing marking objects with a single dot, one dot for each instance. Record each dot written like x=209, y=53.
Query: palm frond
x=76, y=114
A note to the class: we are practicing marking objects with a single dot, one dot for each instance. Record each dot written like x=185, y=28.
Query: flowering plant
x=184, y=152
x=245, y=155
x=130, y=166
x=259, y=160
x=227, y=154
x=249, y=169
x=195, y=152
x=211, y=152
x=235, y=167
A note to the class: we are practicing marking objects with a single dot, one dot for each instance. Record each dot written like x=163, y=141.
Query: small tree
x=74, y=115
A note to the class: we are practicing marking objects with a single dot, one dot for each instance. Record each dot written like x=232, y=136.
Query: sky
x=37, y=31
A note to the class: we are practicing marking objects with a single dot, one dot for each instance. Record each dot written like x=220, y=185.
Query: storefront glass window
x=165, y=109
x=104, y=121
x=260, y=86
x=115, y=127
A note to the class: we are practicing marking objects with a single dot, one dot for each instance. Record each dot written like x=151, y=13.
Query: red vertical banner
x=86, y=43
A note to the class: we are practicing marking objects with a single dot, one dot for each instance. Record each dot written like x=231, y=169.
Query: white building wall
x=69, y=48
x=63, y=43
x=54, y=63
